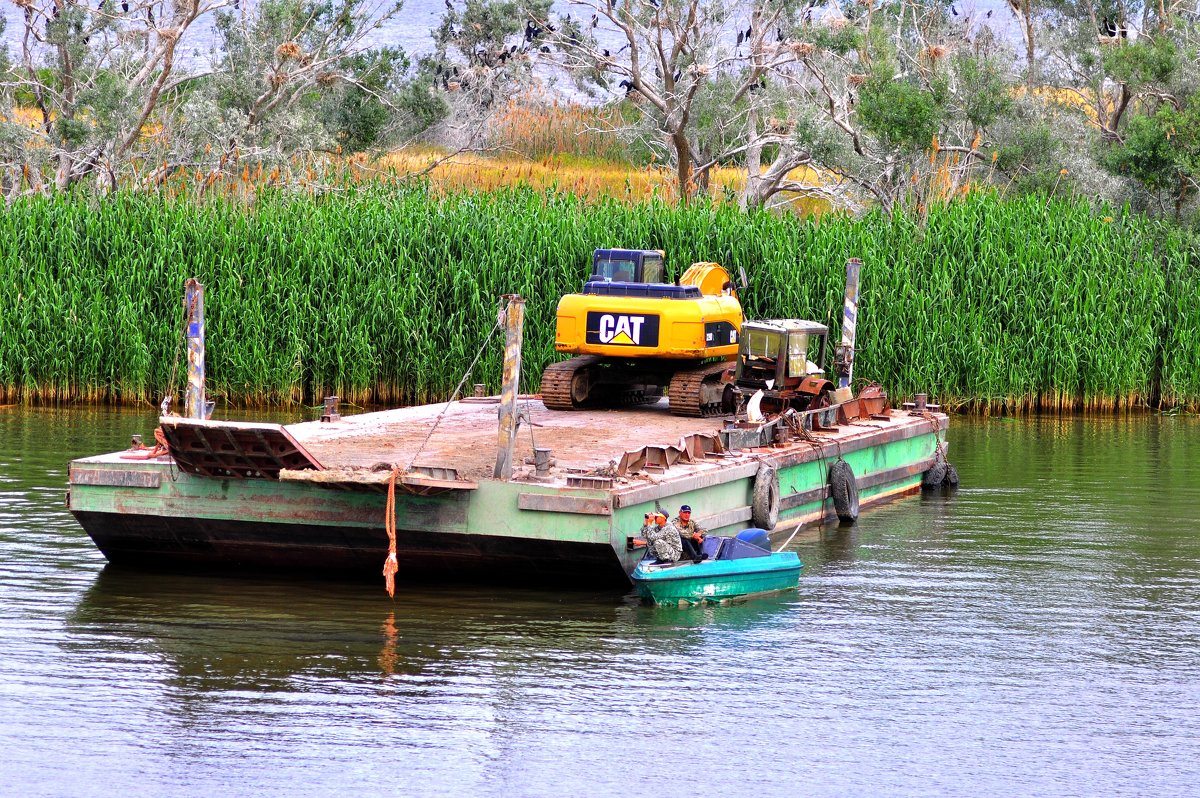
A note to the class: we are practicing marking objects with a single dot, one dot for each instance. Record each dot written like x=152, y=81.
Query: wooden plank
x=423, y=481
x=895, y=474
x=113, y=478
x=794, y=500
x=552, y=503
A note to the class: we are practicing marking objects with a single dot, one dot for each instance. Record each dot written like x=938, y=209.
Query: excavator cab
x=627, y=266
x=781, y=358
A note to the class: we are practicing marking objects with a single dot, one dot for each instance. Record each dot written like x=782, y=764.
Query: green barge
x=499, y=488
x=314, y=496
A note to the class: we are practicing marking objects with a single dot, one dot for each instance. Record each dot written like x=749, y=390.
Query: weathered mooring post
x=844, y=356
x=194, y=406
x=514, y=321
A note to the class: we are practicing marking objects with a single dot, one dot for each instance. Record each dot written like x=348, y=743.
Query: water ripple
x=1035, y=634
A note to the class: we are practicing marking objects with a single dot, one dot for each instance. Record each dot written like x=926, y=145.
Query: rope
x=454, y=395
x=789, y=540
x=390, y=565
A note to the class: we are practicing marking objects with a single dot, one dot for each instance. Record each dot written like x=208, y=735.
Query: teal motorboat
x=733, y=568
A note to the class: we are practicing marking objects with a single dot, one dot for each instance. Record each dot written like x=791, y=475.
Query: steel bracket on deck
x=690, y=449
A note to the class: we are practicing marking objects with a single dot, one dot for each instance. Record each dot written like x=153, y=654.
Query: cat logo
x=622, y=329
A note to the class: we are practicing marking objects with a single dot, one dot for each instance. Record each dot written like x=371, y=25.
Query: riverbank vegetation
x=383, y=295
x=842, y=104
x=356, y=211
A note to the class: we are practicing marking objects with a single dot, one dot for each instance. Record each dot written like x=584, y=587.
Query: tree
x=669, y=48
x=897, y=98
x=486, y=53
x=111, y=93
x=95, y=77
x=1141, y=91
x=1023, y=13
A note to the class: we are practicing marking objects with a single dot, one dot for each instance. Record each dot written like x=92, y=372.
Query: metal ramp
x=234, y=449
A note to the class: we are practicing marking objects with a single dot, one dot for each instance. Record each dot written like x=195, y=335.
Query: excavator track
x=687, y=389
x=565, y=385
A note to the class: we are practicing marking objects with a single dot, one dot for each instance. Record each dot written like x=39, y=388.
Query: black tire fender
x=843, y=486
x=934, y=476
x=764, y=505
x=951, y=478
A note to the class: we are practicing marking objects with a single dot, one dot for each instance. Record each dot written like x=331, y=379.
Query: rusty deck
x=465, y=437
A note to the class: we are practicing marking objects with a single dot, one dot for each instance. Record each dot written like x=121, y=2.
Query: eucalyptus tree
x=1133, y=70
x=899, y=99
x=486, y=54
x=666, y=55
x=859, y=93
x=111, y=90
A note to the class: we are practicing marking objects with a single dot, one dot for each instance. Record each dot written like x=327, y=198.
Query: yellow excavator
x=634, y=335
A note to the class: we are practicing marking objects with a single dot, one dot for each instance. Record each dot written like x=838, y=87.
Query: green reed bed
x=384, y=295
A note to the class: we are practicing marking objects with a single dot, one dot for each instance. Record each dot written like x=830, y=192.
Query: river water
x=1037, y=633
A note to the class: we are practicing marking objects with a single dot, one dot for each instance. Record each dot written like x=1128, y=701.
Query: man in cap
x=662, y=538
x=691, y=534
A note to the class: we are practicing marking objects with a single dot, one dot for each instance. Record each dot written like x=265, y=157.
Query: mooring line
x=454, y=396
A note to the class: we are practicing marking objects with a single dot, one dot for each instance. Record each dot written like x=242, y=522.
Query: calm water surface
x=1038, y=633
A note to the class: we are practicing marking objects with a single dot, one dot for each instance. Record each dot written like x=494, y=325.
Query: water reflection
x=220, y=634
x=1038, y=632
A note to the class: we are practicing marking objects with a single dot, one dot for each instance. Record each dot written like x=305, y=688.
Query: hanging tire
x=934, y=476
x=951, y=478
x=764, y=505
x=844, y=488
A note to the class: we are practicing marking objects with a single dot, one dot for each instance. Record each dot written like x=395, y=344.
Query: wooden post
x=845, y=353
x=514, y=321
x=194, y=302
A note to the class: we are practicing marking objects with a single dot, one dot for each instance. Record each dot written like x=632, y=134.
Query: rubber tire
x=934, y=476
x=843, y=486
x=764, y=505
x=951, y=478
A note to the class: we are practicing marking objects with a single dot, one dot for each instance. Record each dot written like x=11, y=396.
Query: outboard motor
x=756, y=537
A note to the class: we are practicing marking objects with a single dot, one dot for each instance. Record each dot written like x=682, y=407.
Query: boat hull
x=219, y=515
x=159, y=543
x=717, y=580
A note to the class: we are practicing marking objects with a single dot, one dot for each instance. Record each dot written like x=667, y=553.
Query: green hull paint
x=717, y=580
x=490, y=511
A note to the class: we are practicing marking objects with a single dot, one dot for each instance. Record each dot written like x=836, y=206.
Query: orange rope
x=390, y=566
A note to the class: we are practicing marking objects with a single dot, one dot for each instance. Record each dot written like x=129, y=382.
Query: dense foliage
x=386, y=295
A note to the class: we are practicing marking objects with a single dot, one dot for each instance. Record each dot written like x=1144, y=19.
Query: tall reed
x=383, y=295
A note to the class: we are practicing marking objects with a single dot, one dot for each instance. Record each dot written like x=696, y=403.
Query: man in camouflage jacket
x=662, y=538
x=691, y=534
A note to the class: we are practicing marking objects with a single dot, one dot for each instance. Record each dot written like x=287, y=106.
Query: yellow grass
x=542, y=145
x=1073, y=99
x=590, y=179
